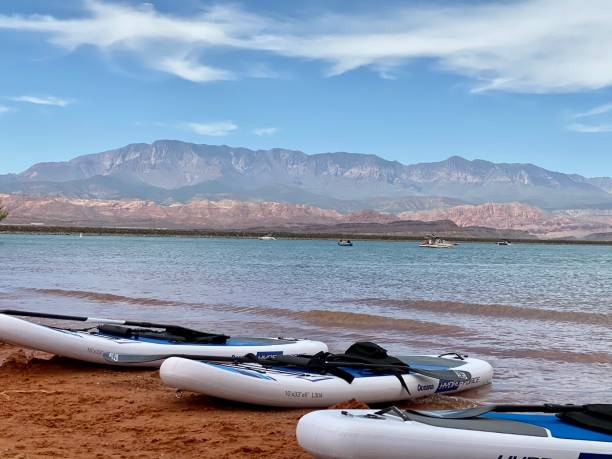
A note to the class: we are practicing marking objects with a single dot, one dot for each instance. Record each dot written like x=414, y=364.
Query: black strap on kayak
x=314, y=363
x=373, y=354
x=595, y=417
x=170, y=333
x=363, y=355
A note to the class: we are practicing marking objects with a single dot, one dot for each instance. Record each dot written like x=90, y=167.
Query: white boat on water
x=434, y=242
x=504, y=242
x=267, y=237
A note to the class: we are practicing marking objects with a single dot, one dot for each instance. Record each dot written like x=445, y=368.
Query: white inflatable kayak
x=112, y=345
x=362, y=434
x=296, y=387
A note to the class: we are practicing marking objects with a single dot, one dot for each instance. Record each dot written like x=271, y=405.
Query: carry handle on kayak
x=179, y=330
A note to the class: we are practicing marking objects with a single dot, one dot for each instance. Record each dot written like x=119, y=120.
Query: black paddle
x=170, y=328
x=295, y=361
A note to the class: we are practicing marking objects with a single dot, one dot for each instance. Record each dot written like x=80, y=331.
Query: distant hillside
x=169, y=171
x=558, y=224
x=38, y=212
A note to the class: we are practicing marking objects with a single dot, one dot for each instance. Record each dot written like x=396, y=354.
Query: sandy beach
x=56, y=407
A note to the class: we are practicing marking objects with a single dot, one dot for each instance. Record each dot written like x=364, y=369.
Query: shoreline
x=56, y=407
x=254, y=234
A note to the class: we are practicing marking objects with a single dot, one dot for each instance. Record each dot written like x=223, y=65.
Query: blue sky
x=412, y=81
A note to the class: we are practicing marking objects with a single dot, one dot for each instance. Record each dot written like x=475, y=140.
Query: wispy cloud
x=517, y=45
x=590, y=128
x=191, y=70
x=599, y=110
x=4, y=109
x=265, y=131
x=216, y=129
x=44, y=100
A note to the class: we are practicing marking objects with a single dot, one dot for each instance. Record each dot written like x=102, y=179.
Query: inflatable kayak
x=114, y=343
x=285, y=384
x=395, y=434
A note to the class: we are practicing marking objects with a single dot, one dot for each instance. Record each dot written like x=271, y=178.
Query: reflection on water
x=540, y=313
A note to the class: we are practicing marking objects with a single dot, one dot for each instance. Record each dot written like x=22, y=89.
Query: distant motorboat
x=345, y=243
x=434, y=242
x=267, y=237
x=504, y=242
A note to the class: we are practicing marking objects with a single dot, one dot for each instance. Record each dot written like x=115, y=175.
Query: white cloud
x=590, y=128
x=265, y=131
x=4, y=109
x=44, y=100
x=192, y=71
x=595, y=112
x=516, y=45
x=599, y=110
x=219, y=128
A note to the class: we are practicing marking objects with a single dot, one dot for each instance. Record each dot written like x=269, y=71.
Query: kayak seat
x=177, y=335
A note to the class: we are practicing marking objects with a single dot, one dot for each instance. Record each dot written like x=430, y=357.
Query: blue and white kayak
x=295, y=387
x=102, y=345
x=364, y=434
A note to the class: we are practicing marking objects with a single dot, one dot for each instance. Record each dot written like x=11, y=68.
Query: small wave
x=355, y=320
x=351, y=320
x=555, y=355
x=491, y=310
x=324, y=319
x=102, y=297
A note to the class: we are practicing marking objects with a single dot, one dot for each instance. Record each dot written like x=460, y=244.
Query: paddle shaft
x=545, y=408
x=44, y=315
x=447, y=375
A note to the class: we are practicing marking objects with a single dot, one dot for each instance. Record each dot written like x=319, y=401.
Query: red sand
x=55, y=407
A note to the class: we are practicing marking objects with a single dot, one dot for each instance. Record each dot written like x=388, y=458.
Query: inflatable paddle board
x=365, y=434
x=296, y=387
x=113, y=345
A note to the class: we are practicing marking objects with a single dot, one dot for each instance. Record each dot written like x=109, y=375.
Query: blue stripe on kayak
x=556, y=426
x=229, y=342
x=594, y=456
x=366, y=373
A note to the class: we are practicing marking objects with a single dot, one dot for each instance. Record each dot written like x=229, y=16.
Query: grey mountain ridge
x=175, y=171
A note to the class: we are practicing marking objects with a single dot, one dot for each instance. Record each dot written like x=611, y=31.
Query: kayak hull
x=330, y=434
x=95, y=348
x=286, y=387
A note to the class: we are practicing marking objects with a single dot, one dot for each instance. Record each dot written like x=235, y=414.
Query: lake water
x=541, y=314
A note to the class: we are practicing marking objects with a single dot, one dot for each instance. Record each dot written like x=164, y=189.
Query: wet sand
x=55, y=407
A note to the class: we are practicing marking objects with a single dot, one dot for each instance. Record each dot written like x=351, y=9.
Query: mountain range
x=173, y=184
x=171, y=171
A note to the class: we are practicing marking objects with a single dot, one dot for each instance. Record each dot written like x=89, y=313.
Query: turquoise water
x=541, y=314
